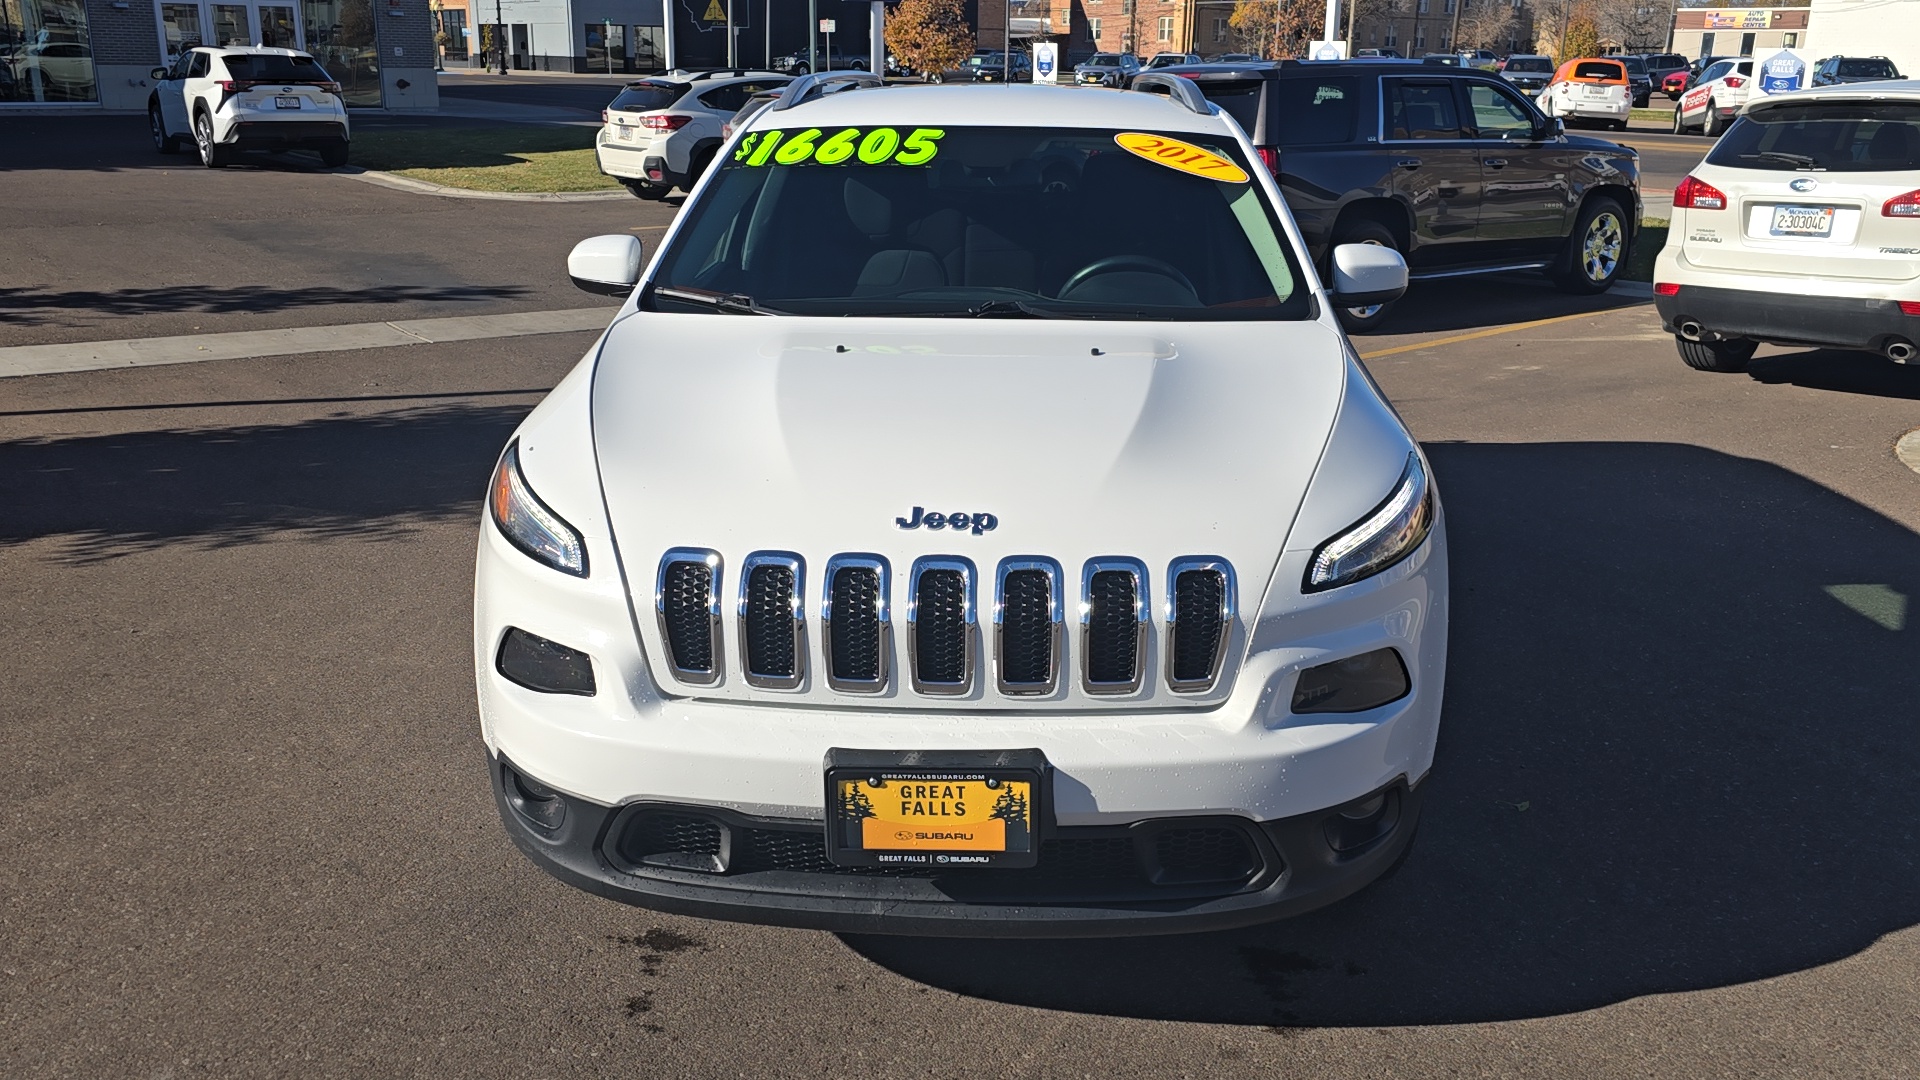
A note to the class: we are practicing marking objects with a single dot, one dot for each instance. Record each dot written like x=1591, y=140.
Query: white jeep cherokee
x=661, y=133
x=231, y=98
x=1801, y=227
x=921, y=551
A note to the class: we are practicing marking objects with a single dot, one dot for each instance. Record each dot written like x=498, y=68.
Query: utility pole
x=500, y=35
x=1453, y=33
x=1352, y=5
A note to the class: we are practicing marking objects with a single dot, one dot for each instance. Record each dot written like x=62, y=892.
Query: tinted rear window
x=1839, y=136
x=648, y=96
x=1531, y=64
x=1240, y=99
x=1598, y=69
x=270, y=68
x=1868, y=69
x=1317, y=111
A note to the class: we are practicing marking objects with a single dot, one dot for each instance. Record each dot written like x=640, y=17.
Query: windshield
x=982, y=221
x=1635, y=66
x=1102, y=60
x=1538, y=64
x=1867, y=69
x=1839, y=136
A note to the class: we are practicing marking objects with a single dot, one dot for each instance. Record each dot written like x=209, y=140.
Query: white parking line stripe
x=193, y=348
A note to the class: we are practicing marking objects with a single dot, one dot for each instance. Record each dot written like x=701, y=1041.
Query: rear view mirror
x=607, y=265
x=1367, y=274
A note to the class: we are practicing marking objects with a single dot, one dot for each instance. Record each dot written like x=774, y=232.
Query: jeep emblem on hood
x=979, y=523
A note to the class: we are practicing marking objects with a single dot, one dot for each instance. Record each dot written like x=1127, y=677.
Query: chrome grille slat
x=940, y=625
x=1028, y=624
x=1114, y=617
x=1201, y=597
x=773, y=625
x=686, y=601
x=856, y=623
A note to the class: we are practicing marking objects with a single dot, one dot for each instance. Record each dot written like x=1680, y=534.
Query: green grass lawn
x=1655, y=115
x=1653, y=237
x=500, y=157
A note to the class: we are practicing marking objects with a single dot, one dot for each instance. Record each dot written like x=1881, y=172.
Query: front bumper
x=1161, y=876
x=1785, y=318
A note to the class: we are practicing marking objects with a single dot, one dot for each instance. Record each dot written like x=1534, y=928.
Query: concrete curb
x=423, y=187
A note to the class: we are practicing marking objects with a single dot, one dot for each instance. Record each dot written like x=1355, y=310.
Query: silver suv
x=661, y=133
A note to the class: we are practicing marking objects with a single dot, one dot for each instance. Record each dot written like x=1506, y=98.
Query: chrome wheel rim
x=153, y=124
x=1600, y=250
x=203, y=138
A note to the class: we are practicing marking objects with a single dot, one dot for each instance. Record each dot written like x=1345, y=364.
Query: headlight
x=1384, y=537
x=527, y=523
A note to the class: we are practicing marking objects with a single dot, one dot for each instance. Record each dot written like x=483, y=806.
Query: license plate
x=626, y=134
x=1594, y=91
x=1802, y=221
x=286, y=101
x=941, y=810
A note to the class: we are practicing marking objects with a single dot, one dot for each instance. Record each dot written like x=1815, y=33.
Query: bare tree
x=1633, y=25
x=1486, y=24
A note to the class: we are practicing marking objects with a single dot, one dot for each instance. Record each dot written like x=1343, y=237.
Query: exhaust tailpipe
x=1900, y=352
x=1691, y=330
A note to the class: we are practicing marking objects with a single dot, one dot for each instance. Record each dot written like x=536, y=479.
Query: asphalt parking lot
x=1667, y=837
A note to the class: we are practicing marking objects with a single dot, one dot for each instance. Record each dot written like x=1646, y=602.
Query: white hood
x=1082, y=439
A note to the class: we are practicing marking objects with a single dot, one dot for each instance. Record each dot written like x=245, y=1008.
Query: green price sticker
x=847, y=146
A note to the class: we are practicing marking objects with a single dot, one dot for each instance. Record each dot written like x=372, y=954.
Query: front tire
x=1724, y=357
x=157, y=125
x=1596, y=249
x=1678, y=127
x=1362, y=320
x=1713, y=127
x=212, y=154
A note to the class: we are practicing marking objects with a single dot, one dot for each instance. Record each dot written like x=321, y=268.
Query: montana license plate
x=1802, y=221
x=286, y=101
x=936, y=809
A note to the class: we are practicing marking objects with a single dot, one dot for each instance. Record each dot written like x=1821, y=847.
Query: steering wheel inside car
x=1133, y=264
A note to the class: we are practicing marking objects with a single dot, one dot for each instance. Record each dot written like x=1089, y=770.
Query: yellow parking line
x=1477, y=334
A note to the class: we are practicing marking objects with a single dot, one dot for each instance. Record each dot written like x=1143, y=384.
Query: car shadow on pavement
x=1839, y=371
x=375, y=477
x=112, y=143
x=1677, y=754
x=1475, y=302
x=36, y=305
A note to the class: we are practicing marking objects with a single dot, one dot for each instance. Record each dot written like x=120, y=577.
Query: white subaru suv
x=1801, y=227
x=1715, y=98
x=231, y=98
x=662, y=133
x=917, y=552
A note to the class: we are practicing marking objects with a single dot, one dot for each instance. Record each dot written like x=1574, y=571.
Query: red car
x=1674, y=84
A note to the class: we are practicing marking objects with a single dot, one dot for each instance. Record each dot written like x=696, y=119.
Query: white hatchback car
x=227, y=99
x=1801, y=227
x=1715, y=98
x=661, y=133
x=893, y=565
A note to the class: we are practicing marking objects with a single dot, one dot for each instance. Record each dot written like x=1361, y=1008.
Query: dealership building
x=80, y=54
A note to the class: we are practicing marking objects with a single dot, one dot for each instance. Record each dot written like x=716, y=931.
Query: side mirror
x=606, y=265
x=1367, y=274
x=158, y=74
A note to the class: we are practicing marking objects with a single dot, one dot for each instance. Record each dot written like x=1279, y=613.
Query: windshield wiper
x=1799, y=160
x=731, y=303
x=1014, y=308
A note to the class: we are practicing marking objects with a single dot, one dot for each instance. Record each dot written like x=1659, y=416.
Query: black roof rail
x=814, y=85
x=1181, y=90
x=729, y=73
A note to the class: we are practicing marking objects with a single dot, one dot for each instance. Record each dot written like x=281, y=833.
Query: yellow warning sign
x=1185, y=157
x=716, y=12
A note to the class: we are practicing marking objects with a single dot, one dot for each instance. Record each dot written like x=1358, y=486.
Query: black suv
x=1450, y=166
x=1839, y=70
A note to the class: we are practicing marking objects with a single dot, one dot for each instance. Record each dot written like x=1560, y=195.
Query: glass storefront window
x=606, y=47
x=340, y=36
x=45, y=54
x=453, y=30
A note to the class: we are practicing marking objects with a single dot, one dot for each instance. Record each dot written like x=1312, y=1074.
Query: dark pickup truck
x=1451, y=166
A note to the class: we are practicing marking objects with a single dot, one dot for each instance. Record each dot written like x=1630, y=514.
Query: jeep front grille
x=856, y=626
x=940, y=625
x=1027, y=626
x=1029, y=646
x=687, y=601
x=1200, y=595
x=1113, y=625
x=773, y=620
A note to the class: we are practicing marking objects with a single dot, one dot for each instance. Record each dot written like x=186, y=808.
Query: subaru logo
x=979, y=523
x=1804, y=183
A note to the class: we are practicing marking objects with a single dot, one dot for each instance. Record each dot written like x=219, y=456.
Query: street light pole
x=813, y=34
x=500, y=35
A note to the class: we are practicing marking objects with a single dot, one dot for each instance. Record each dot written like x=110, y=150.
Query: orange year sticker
x=1185, y=157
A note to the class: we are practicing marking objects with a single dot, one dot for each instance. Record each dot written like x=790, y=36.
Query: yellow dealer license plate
x=937, y=809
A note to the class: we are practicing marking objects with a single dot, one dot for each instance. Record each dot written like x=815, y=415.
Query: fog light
x=546, y=666
x=1360, y=823
x=534, y=801
x=1355, y=684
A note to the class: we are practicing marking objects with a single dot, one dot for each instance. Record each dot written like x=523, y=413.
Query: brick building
x=100, y=53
